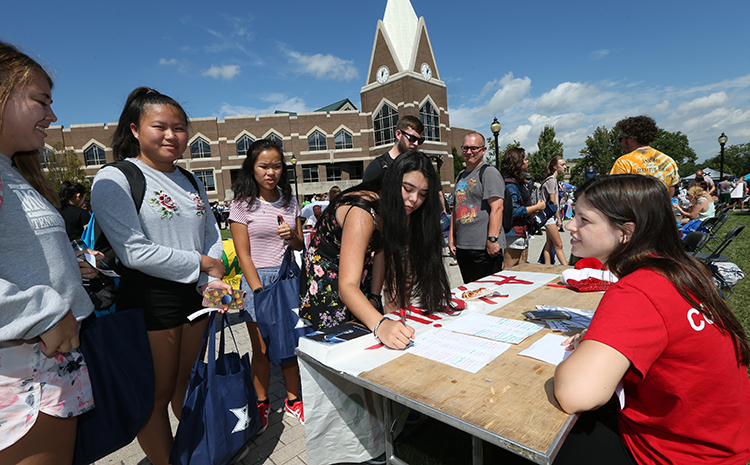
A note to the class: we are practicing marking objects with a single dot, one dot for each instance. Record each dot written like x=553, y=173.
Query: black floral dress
x=319, y=293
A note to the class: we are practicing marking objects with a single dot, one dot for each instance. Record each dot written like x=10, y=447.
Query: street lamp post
x=294, y=168
x=495, y=127
x=722, y=140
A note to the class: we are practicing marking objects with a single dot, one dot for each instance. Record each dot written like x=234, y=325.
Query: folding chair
x=711, y=259
x=695, y=241
x=713, y=231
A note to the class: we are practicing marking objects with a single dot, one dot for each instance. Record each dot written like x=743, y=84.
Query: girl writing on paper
x=371, y=237
x=662, y=332
x=170, y=248
x=44, y=381
x=265, y=219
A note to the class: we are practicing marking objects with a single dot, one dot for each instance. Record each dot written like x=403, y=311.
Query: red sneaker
x=263, y=408
x=295, y=410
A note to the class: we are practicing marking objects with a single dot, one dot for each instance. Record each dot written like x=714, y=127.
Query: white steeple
x=401, y=23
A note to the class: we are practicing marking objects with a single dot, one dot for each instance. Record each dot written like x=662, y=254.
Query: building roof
x=282, y=112
x=340, y=105
x=401, y=23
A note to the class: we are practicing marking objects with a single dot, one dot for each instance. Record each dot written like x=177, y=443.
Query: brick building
x=331, y=145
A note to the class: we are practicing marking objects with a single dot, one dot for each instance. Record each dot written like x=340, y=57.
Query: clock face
x=426, y=71
x=383, y=74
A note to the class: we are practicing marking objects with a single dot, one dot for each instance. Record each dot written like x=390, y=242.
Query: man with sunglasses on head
x=635, y=133
x=408, y=137
x=476, y=234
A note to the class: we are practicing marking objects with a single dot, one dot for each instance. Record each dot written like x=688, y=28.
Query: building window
x=385, y=125
x=343, y=140
x=94, y=156
x=207, y=178
x=200, y=149
x=355, y=170
x=44, y=156
x=291, y=172
x=276, y=139
x=333, y=172
x=310, y=173
x=317, y=141
x=243, y=144
x=429, y=117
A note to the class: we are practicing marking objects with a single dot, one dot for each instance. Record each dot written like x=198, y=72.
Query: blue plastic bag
x=120, y=364
x=274, y=312
x=220, y=412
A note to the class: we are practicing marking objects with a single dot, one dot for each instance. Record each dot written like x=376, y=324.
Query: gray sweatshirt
x=39, y=277
x=171, y=231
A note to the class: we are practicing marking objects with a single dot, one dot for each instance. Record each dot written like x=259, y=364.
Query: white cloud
x=323, y=67
x=660, y=108
x=599, y=54
x=566, y=95
x=226, y=72
x=278, y=102
x=701, y=104
x=165, y=62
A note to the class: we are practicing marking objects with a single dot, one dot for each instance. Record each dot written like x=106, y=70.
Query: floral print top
x=319, y=291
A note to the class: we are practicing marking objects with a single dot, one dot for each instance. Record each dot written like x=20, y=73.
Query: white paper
x=495, y=328
x=458, y=350
x=548, y=349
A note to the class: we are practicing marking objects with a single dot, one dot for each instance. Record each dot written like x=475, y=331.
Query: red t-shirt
x=687, y=399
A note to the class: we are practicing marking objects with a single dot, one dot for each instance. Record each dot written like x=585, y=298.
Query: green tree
x=677, y=146
x=64, y=165
x=458, y=162
x=548, y=148
x=600, y=151
x=736, y=160
x=489, y=156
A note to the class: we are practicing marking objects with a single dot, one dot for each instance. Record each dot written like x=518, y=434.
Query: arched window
x=385, y=125
x=94, y=156
x=429, y=117
x=243, y=144
x=200, y=149
x=316, y=141
x=276, y=139
x=343, y=140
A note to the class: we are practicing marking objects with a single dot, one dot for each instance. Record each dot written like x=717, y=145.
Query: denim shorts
x=267, y=276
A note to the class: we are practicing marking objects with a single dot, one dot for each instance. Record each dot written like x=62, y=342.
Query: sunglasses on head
x=412, y=138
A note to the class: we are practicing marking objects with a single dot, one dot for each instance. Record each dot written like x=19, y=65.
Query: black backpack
x=138, y=190
x=507, y=200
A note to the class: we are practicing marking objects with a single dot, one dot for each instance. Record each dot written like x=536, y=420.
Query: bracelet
x=257, y=290
x=375, y=331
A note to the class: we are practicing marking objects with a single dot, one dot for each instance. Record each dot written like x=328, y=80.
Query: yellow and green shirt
x=650, y=162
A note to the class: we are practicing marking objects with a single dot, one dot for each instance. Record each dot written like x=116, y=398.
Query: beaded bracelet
x=375, y=331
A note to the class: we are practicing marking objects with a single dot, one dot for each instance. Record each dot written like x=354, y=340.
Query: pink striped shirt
x=266, y=247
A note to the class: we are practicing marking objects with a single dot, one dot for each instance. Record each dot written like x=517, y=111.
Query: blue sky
x=573, y=65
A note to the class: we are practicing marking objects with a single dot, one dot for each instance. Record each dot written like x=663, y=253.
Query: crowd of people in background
x=377, y=247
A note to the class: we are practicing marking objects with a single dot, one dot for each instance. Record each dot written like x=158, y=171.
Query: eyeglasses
x=468, y=148
x=413, y=138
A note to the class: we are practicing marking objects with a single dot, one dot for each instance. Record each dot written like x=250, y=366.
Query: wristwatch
x=258, y=290
x=492, y=238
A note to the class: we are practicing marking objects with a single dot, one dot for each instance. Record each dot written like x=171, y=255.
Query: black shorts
x=166, y=304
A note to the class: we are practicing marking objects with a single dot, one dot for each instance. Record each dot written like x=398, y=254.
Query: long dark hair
x=413, y=250
x=16, y=70
x=124, y=143
x=68, y=191
x=550, y=168
x=655, y=244
x=511, y=166
x=245, y=187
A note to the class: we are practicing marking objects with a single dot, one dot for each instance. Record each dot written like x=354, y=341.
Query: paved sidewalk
x=283, y=443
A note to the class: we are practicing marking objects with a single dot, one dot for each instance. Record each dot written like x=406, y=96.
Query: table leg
x=390, y=451
x=477, y=451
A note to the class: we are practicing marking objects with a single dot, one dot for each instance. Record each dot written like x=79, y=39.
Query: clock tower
x=403, y=79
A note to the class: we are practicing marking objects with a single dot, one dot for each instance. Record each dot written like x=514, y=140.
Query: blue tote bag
x=220, y=412
x=120, y=364
x=274, y=312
